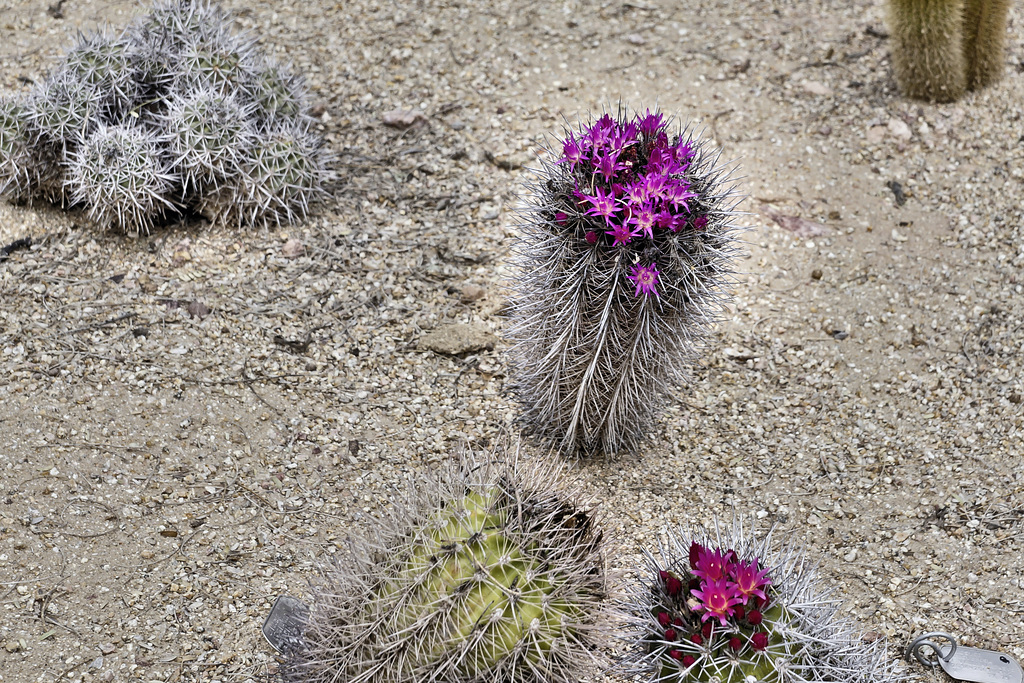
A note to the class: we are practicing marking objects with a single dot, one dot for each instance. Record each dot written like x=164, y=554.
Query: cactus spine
x=624, y=251
x=485, y=573
x=724, y=606
x=927, y=48
x=985, y=41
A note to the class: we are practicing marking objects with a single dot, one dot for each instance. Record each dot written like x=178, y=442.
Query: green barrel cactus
x=482, y=574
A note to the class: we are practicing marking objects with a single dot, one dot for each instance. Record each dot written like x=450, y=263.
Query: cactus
x=278, y=182
x=210, y=137
x=225, y=65
x=927, y=48
x=104, y=63
x=624, y=250
x=63, y=110
x=19, y=171
x=279, y=95
x=177, y=23
x=985, y=41
x=724, y=606
x=122, y=177
x=483, y=573
x=203, y=94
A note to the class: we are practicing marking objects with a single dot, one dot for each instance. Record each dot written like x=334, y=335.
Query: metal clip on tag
x=284, y=624
x=965, y=663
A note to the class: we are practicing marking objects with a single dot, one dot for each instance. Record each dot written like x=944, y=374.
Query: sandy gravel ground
x=193, y=421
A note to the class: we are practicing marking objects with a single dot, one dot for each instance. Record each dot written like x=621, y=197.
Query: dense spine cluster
x=724, y=606
x=484, y=573
x=624, y=251
x=121, y=174
x=212, y=111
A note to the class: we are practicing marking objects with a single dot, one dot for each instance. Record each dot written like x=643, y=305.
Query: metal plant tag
x=966, y=663
x=982, y=666
x=284, y=624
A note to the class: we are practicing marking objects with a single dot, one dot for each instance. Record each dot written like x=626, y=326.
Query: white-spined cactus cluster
x=485, y=573
x=175, y=114
x=725, y=606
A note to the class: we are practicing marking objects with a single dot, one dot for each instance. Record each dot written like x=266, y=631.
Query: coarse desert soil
x=194, y=421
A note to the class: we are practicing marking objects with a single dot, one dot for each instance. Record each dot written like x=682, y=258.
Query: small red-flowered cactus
x=751, y=614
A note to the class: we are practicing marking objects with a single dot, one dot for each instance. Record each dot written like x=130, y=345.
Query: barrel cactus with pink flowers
x=623, y=257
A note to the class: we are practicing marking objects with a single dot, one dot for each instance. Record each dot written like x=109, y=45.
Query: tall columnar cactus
x=486, y=573
x=624, y=251
x=985, y=41
x=121, y=174
x=927, y=48
x=726, y=607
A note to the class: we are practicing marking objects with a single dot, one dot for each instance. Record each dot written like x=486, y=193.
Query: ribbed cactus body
x=927, y=48
x=179, y=23
x=222, y=66
x=623, y=254
x=63, y=110
x=985, y=41
x=482, y=576
x=279, y=95
x=724, y=606
x=104, y=62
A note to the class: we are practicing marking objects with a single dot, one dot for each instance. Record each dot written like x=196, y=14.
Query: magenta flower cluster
x=629, y=187
x=719, y=603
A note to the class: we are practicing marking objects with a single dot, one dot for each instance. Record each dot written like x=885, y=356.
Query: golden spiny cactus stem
x=927, y=48
x=985, y=41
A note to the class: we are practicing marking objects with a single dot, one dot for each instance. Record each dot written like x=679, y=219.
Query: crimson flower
x=695, y=550
x=712, y=565
x=749, y=580
x=716, y=600
x=759, y=641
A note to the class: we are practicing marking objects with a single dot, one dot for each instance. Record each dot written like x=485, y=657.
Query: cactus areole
x=494, y=583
